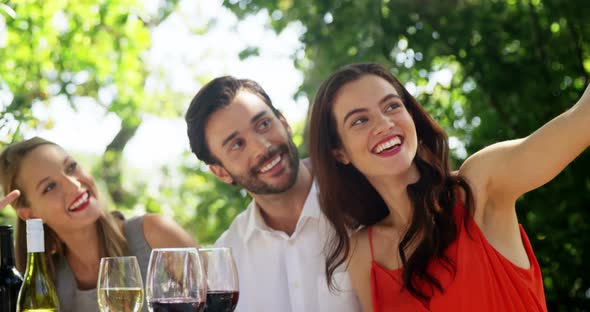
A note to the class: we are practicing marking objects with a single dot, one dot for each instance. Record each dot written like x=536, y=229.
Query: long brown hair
x=112, y=240
x=349, y=201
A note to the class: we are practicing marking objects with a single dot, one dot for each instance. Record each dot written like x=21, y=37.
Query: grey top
x=72, y=299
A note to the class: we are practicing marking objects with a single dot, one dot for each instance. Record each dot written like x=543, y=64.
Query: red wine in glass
x=221, y=301
x=176, y=305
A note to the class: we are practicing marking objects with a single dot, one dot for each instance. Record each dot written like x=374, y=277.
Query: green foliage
x=72, y=49
x=515, y=65
x=249, y=52
x=213, y=204
x=486, y=70
x=76, y=49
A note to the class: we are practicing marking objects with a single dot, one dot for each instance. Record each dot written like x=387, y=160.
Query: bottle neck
x=6, y=250
x=35, y=263
x=35, y=252
x=35, y=241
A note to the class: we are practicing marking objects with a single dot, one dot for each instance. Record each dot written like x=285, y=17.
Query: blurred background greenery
x=487, y=70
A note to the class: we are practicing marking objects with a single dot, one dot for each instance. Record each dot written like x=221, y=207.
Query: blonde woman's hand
x=9, y=198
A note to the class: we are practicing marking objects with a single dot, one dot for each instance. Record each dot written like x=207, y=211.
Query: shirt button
x=296, y=285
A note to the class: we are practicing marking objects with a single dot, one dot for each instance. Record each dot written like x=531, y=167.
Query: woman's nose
x=384, y=124
x=72, y=184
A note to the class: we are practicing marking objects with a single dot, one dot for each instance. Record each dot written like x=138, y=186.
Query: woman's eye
x=358, y=121
x=391, y=107
x=72, y=167
x=49, y=187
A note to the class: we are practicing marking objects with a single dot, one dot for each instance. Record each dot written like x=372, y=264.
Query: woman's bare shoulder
x=359, y=248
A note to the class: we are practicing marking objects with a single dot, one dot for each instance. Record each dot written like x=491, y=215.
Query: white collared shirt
x=281, y=273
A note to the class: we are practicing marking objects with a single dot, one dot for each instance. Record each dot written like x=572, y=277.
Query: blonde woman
x=43, y=181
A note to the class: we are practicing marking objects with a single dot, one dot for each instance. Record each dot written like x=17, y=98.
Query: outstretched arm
x=511, y=168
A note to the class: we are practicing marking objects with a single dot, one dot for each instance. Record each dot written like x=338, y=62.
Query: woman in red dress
x=426, y=238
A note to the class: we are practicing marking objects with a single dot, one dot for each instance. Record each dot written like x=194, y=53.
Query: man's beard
x=252, y=184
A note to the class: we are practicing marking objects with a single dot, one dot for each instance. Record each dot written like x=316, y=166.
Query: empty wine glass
x=222, y=279
x=175, y=281
x=119, y=287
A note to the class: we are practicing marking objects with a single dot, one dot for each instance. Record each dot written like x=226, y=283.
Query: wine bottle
x=38, y=293
x=10, y=279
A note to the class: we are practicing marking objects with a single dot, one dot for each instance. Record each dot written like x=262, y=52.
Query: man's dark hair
x=216, y=94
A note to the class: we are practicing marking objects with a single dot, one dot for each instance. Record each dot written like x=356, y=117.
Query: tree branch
x=112, y=164
x=113, y=155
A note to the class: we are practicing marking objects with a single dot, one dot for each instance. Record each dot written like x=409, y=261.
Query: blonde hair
x=112, y=240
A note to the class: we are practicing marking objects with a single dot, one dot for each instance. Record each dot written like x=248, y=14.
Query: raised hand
x=9, y=198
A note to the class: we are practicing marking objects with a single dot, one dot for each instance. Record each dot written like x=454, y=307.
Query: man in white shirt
x=278, y=240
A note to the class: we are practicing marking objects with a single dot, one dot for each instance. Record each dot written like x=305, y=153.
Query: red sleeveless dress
x=484, y=279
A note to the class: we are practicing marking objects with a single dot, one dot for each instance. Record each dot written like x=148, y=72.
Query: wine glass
x=119, y=287
x=175, y=281
x=222, y=279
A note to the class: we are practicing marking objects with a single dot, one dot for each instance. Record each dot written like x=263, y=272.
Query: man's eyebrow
x=258, y=116
x=229, y=138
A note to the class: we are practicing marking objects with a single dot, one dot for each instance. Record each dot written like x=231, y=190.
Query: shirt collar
x=311, y=209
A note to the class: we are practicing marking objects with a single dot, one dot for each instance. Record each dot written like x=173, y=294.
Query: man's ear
x=341, y=155
x=25, y=213
x=221, y=173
